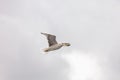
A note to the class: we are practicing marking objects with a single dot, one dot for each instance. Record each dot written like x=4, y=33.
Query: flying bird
x=53, y=45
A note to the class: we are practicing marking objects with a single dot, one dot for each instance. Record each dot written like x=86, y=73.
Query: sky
x=91, y=26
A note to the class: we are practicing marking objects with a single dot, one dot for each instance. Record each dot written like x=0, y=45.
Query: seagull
x=53, y=45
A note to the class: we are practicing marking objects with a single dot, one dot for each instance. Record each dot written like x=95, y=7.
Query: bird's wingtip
x=41, y=33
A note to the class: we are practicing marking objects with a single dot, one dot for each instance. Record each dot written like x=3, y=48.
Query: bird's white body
x=53, y=47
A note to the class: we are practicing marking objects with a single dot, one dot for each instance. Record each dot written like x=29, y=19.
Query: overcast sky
x=91, y=26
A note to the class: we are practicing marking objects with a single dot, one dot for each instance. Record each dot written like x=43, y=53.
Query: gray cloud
x=90, y=26
x=20, y=53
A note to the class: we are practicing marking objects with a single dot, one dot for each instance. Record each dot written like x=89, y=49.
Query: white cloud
x=83, y=66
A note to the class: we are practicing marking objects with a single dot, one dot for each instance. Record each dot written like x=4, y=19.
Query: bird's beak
x=68, y=44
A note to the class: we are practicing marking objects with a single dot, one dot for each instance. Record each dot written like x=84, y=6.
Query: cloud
x=92, y=28
x=83, y=66
x=20, y=55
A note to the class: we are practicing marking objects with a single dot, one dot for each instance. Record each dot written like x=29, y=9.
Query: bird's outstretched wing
x=51, y=39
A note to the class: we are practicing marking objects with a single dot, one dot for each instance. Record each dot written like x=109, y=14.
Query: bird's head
x=66, y=44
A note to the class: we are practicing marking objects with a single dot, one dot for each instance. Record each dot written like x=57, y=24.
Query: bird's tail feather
x=42, y=52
